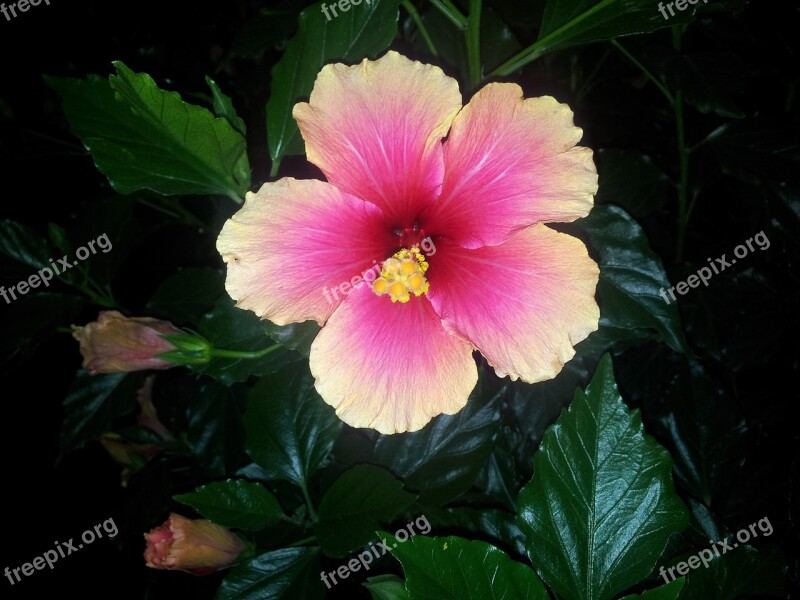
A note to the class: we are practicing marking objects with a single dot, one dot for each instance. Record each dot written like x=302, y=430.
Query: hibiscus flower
x=397, y=351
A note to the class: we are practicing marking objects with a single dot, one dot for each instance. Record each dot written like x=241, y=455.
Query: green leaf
x=601, y=504
x=631, y=280
x=497, y=527
x=386, y=587
x=187, y=295
x=295, y=336
x=231, y=328
x=286, y=574
x=669, y=591
x=142, y=137
x=457, y=447
x=743, y=571
x=708, y=433
x=364, y=30
x=269, y=28
x=24, y=244
x=631, y=180
x=26, y=322
x=708, y=81
x=452, y=568
x=568, y=23
x=92, y=404
x=497, y=40
x=235, y=503
x=223, y=107
x=215, y=429
x=289, y=430
x=360, y=500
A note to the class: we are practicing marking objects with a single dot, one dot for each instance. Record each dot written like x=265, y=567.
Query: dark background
x=46, y=177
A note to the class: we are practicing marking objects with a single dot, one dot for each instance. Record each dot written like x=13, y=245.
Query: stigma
x=402, y=275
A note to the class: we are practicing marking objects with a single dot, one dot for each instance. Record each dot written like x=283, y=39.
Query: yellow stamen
x=402, y=275
x=380, y=286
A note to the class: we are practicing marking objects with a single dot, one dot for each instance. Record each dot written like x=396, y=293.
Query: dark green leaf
x=567, y=23
x=59, y=238
x=631, y=180
x=708, y=434
x=497, y=527
x=231, y=328
x=601, y=504
x=223, y=107
x=386, y=587
x=92, y=404
x=499, y=478
x=631, y=280
x=741, y=571
x=268, y=28
x=364, y=30
x=452, y=568
x=33, y=317
x=22, y=243
x=361, y=500
x=289, y=430
x=670, y=591
x=708, y=81
x=142, y=137
x=536, y=407
x=497, y=40
x=215, y=427
x=296, y=336
x=235, y=503
x=286, y=574
x=186, y=296
x=456, y=447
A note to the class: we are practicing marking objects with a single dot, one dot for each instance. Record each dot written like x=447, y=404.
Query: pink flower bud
x=116, y=343
x=196, y=546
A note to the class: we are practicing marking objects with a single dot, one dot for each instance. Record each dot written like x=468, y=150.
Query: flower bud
x=116, y=343
x=196, y=546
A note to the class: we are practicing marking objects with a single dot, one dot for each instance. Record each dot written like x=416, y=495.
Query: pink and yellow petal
x=511, y=162
x=293, y=243
x=390, y=366
x=375, y=130
x=523, y=304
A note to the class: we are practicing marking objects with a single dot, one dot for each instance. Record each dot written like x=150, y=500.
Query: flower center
x=402, y=275
x=410, y=236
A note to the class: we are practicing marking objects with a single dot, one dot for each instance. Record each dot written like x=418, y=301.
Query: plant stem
x=309, y=504
x=414, y=13
x=223, y=353
x=276, y=164
x=449, y=10
x=474, y=42
x=645, y=70
x=303, y=542
x=536, y=49
x=683, y=154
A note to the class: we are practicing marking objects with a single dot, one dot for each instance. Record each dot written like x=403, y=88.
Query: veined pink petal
x=523, y=304
x=375, y=130
x=510, y=163
x=294, y=242
x=390, y=366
